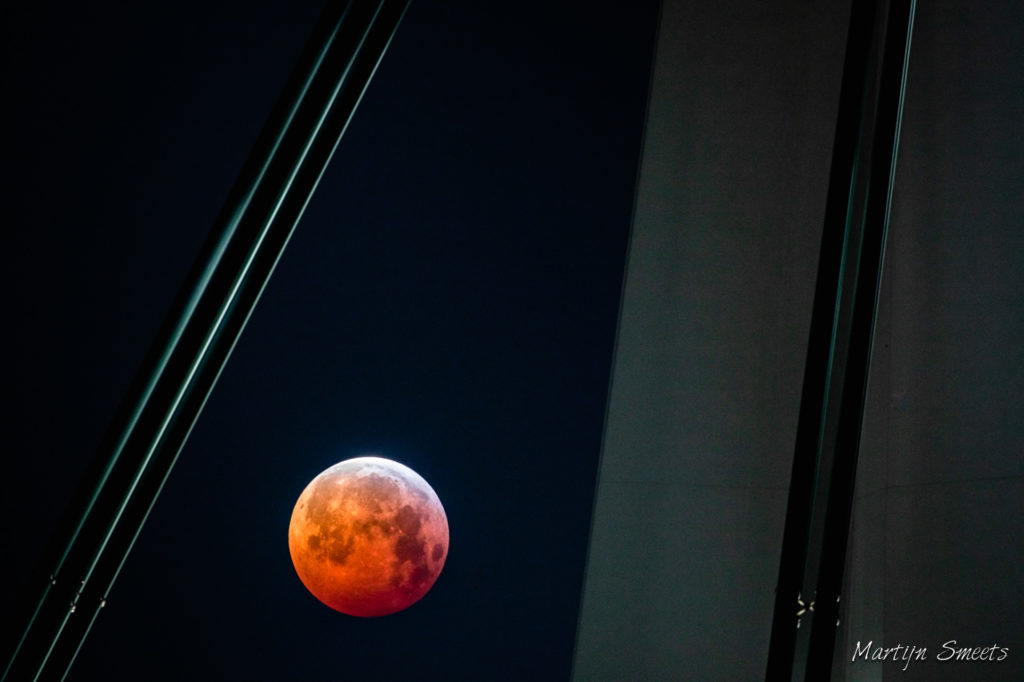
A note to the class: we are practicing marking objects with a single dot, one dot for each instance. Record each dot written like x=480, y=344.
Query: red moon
x=368, y=537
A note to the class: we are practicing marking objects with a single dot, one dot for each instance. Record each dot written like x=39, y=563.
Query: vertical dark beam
x=878, y=200
x=821, y=347
x=835, y=376
x=206, y=319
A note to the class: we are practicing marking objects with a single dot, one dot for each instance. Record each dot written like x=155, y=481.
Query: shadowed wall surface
x=936, y=546
x=702, y=411
x=712, y=334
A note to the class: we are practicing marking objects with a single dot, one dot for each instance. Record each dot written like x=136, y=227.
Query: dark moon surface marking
x=336, y=541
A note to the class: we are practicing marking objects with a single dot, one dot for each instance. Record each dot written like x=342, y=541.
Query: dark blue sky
x=449, y=300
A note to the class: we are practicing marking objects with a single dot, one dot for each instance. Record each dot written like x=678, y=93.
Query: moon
x=368, y=537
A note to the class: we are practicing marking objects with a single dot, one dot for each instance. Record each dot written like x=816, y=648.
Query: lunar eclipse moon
x=368, y=537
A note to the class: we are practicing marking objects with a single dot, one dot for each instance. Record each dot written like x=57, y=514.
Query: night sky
x=449, y=300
